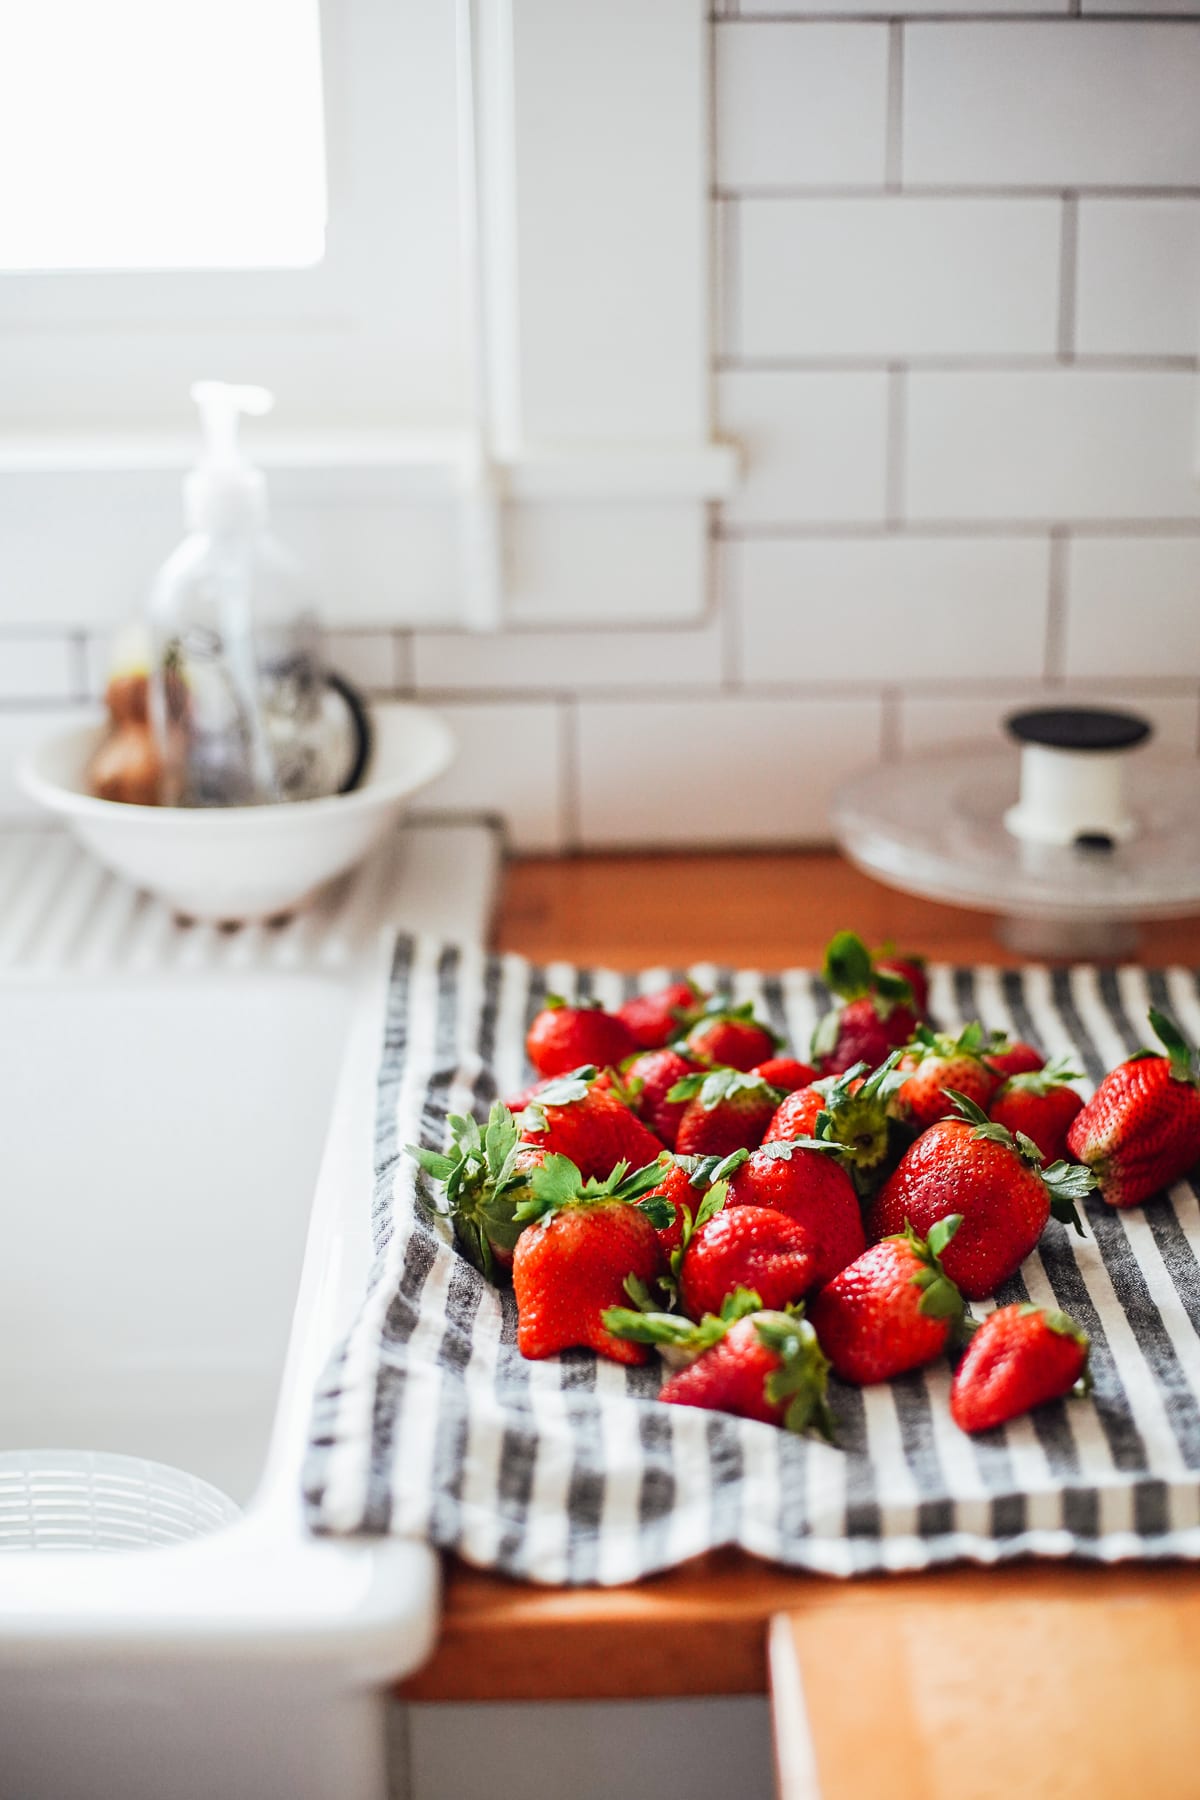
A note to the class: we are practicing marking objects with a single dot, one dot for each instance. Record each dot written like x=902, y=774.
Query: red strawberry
x=1140, y=1131
x=797, y=1113
x=1019, y=1357
x=968, y=1165
x=785, y=1073
x=1009, y=1056
x=654, y=1019
x=850, y=1110
x=582, y=1243
x=684, y=1182
x=877, y=1015
x=944, y=1065
x=649, y=1078
x=562, y=1037
x=909, y=967
x=486, y=1176
x=810, y=1186
x=727, y=1110
x=591, y=1126
x=752, y=1247
x=730, y=1037
x=760, y=1365
x=1040, y=1104
x=892, y=1309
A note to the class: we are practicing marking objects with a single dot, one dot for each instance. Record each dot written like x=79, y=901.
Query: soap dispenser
x=237, y=687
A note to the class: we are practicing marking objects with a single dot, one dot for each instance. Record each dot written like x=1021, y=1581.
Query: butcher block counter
x=1087, y=1675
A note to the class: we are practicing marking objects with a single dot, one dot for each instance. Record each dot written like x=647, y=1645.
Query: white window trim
x=575, y=426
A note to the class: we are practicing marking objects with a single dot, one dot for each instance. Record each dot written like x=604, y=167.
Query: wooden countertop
x=702, y=1629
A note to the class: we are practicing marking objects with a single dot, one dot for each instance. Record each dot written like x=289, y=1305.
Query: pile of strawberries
x=672, y=1181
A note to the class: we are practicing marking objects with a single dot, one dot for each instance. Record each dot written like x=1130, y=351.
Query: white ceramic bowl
x=242, y=862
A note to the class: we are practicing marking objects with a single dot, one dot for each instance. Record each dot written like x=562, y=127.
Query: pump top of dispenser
x=225, y=493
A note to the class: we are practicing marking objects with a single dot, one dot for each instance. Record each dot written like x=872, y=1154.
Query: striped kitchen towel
x=428, y=1423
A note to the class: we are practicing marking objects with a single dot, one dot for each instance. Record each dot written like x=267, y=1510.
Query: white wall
x=958, y=275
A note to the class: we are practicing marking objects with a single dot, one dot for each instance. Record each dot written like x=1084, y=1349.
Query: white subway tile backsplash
x=892, y=609
x=567, y=661
x=928, y=721
x=367, y=658
x=1054, y=444
x=901, y=195
x=1138, y=277
x=622, y=561
x=814, y=445
x=36, y=668
x=1133, y=607
x=1052, y=104
x=800, y=104
x=898, y=276
x=713, y=770
x=508, y=760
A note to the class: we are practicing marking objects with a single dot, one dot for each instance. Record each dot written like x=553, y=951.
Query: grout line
x=80, y=666
x=950, y=190
x=890, y=734
x=570, y=801
x=785, y=531
x=404, y=670
x=718, y=224
x=1068, y=265
x=897, y=437
x=894, y=130
x=730, y=321
x=1056, y=609
x=983, y=363
x=730, y=589
x=1044, y=17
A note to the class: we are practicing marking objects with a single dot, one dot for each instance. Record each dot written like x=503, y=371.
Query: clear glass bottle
x=236, y=678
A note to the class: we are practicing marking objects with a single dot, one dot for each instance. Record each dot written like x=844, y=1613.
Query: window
x=469, y=256
x=218, y=258
x=140, y=135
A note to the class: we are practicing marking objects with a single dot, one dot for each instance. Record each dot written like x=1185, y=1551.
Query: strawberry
x=730, y=1037
x=909, y=967
x=877, y=1014
x=486, y=1175
x=1010, y=1056
x=583, y=1240
x=807, y=1182
x=1040, y=1104
x=944, y=1065
x=562, y=1037
x=797, y=1113
x=760, y=1365
x=850, y=1110
x=752, y=1247
x=649, y=1077
x=1140, y=1131
x=968, y=1165
x=894, y=1308
x=576, y=1118
x=684, y=1181
x=785, y=1073
x=1019, y=1357
x=654, y=1019
x=727, y=1110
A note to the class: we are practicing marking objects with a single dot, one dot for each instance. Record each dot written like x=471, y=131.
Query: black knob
x=1078, y=728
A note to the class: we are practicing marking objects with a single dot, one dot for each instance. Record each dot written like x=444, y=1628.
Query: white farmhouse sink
x=185, y=1160
x=159, y=1149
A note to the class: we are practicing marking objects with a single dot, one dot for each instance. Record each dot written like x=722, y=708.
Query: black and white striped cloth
x=429, y=1423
